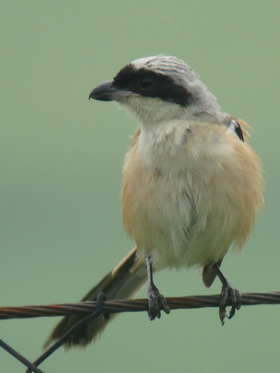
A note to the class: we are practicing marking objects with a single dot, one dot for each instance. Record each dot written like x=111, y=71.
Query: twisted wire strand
x=94, y=308
x=132, y=305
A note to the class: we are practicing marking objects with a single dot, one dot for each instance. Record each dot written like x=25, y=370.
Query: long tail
x=121, y=283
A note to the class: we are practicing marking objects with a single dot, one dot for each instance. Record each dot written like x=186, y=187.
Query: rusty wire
x=93, y=309
x=132, y=305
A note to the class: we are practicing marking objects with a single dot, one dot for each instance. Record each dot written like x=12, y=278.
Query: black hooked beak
x=107, y=92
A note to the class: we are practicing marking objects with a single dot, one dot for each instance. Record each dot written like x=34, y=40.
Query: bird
x=192, y=186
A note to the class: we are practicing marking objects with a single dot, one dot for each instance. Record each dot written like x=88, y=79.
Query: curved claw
x=156, y=303
x=229, y=293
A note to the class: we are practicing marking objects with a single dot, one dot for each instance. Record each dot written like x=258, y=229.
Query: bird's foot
x=229, y=293
x=156, y=303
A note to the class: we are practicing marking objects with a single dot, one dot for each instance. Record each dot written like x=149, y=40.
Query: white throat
x=162, y=146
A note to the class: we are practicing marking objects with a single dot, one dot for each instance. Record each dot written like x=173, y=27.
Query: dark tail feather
x=121, y=283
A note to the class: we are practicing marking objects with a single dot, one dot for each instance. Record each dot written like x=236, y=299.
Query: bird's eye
x=146, y=84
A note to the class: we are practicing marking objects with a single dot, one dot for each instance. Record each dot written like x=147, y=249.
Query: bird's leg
x=228, y=292
x=156, y=301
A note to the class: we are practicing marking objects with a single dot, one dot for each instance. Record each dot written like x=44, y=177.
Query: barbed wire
x=93, y=309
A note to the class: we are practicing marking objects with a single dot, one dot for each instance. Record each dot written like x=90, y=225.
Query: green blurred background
x=61, y=161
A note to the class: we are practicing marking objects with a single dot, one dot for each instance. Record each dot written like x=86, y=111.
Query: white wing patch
x=235, y=128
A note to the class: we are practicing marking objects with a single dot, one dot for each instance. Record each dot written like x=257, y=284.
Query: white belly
x=169, y=224
x=195, y=204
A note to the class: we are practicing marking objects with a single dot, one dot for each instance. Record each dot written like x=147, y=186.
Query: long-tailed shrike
x=191, y=184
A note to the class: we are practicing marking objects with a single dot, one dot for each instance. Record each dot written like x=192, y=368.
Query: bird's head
x=160, y=88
